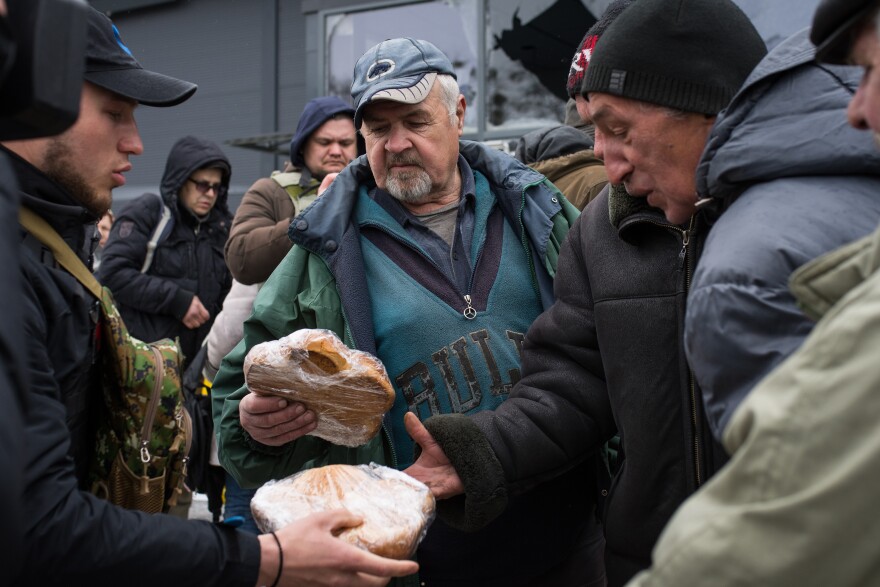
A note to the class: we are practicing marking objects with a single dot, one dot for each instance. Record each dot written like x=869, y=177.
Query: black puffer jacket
x=188, y=262
x=606, y=358
x=72, y=537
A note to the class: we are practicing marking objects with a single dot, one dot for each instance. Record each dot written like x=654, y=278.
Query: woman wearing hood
x=178, y=290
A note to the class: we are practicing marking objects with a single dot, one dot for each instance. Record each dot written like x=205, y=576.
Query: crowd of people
x=639, y=352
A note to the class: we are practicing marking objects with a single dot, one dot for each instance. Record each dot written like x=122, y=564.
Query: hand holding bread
x=395, y=508
x=348, y=390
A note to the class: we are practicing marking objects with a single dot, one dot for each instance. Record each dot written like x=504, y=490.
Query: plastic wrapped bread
x=348, y=389
x=396, y=508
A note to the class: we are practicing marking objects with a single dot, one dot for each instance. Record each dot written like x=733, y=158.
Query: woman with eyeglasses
x=164, y=258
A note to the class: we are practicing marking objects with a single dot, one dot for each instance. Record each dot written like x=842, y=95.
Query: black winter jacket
x=72, y=537
x=13, y=367
x=188, y=261
x=606, y=358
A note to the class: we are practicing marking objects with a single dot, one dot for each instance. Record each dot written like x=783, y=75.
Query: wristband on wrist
x=280, y=561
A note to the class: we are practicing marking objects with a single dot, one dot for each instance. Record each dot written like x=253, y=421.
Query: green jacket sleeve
x=301, y=293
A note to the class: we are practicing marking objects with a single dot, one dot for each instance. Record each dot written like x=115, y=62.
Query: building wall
x=231, y=49
x=257, y=63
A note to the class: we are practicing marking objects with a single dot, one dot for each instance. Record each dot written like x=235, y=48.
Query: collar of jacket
x=560, y=166
x=628, y=212
x=320, y=227
x=55, y=205
x=823, y=282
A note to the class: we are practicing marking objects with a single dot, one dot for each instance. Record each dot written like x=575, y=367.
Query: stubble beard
x=59, y=167
x=409, y=187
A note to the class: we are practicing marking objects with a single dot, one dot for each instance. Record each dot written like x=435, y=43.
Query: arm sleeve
x=228, y=327
x=290, y=300
x=258, y=239
x=124, y=256
x=806, y=451
x=74, y=538
x=735, y=334
x=556, y=416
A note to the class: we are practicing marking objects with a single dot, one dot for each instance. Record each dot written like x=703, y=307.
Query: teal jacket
x=321, y=284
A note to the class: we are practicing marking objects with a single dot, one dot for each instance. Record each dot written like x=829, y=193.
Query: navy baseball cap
x=833, y=27
x=400, y=70
x=110, y=65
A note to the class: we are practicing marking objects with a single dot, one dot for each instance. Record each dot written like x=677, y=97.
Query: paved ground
x=199, y=508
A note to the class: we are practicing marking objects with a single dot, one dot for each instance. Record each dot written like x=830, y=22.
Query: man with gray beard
x=435, y=255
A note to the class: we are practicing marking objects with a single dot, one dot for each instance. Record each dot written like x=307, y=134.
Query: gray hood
x=801, y=131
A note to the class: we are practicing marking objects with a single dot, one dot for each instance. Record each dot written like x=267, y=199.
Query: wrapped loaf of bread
x=348, y=389
x=396, y=508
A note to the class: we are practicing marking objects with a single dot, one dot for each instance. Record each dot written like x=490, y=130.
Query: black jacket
x=606, y=358
x=71, y=537
x=188, y=261
x=13, y=361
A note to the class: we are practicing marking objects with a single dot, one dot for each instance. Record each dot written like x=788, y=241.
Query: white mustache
x=403, y=160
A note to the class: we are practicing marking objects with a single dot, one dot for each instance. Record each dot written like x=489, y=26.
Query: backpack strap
x=156, y=236
x=302, y=197
x=65, y=256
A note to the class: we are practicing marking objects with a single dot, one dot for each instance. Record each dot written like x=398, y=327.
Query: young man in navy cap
x=435, y=255
x=72, y=537
x=797, y=504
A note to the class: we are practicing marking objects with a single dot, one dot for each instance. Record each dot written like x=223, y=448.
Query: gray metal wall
x=232, y=50
x=255, y=62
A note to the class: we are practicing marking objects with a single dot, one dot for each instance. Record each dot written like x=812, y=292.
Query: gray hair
x=449, y=93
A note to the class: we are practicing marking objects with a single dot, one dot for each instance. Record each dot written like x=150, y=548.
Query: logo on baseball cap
x=400, y=70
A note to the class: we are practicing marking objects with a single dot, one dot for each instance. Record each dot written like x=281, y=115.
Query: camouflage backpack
x=143, y=439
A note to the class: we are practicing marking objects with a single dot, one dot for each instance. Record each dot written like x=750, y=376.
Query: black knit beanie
x=690, y=55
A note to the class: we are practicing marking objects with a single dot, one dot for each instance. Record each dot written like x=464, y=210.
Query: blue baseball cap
x=400, y=70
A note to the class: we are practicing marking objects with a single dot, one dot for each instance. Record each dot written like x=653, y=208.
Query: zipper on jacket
x=688, y=261
x=524, y=241
x=685, y=262
x=149, y=416
x=467, y=296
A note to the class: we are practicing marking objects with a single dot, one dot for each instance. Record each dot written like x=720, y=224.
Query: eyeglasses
x=204, y=187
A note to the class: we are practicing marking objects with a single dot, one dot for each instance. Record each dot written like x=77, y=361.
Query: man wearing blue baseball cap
x=72, y=537
x=434, y=254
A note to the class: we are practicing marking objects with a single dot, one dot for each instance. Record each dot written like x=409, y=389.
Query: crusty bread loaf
x=396, y=508
x=348, y=389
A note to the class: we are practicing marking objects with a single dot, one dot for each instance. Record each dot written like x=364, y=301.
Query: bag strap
x=290, y=181
x=157, y=234
x=62, y=252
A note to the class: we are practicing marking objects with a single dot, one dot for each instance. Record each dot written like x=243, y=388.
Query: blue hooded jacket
x=317, y=112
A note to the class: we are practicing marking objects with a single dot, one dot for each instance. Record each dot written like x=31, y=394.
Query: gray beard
x=409, y=187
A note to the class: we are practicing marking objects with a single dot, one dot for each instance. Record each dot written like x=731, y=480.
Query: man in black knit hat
x=607, y=358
